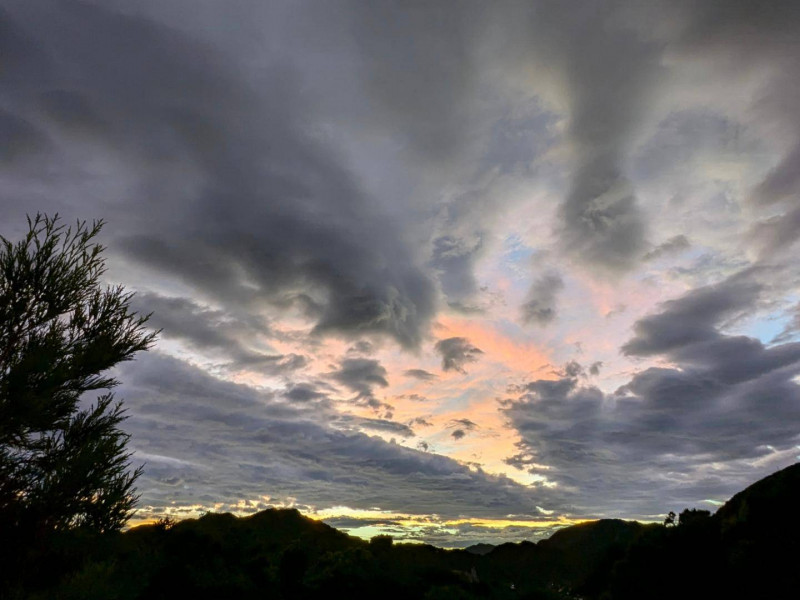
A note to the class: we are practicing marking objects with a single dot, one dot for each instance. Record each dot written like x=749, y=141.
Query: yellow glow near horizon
x=407, y=521
x=411, y=521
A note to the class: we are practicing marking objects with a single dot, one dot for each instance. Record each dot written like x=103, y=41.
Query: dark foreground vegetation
x=748, y=549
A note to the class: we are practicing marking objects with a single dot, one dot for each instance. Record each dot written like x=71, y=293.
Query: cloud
x=215, y=331
x=602, y=224
x=540, y=303
x=686, y=141
x=464, y=424
x=304, y=392
x=21, y=138
x=670, y=435
x=573, y=369
x=521, y=136
x=462, y=427
x=716, y=30
x=421, y=374
x=456, y=352
x=776, y=234
x=692, y=318
x=361, y=347
x=609, y=77
x=230, y=442
x=414, y=397
x=792, y=327
x=454, y=260
x=297, y=230
x=782, y=182
x=673, y=245
x=424, y=101
x=387, y=426
x=361, y=375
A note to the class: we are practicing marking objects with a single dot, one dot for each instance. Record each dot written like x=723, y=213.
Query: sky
x=451, y=271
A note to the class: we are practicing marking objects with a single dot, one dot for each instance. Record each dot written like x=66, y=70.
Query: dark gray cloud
x=200, y=125
x=304, y=392
x=782, y=182
x=574, y=369
x=424, y=100
x=540, y=305
x=386, y=426
x=420, y=374
x=462, y=426
x=602, y=224
x=265, y=213
x=361, y=375
x=692, y=318
x=457, y=352
x=21, y=138
x=216, y=332
x=610, y=75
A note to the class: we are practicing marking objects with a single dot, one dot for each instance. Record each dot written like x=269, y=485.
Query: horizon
x=368, y=532
x=451, y=272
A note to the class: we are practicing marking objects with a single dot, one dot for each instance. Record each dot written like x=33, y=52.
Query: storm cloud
x=298, y=233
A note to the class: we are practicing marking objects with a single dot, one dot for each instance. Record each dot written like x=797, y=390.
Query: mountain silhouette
x=764, y=508
x=748, y=549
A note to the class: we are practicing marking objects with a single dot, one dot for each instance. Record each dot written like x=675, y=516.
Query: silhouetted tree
x=693, y=515
x=380, y=543
x=670, y=520
x=62, y=463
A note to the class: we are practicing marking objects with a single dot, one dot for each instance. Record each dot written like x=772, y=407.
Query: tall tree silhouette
x=63, y=463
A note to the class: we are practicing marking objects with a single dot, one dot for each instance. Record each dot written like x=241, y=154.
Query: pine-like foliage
x=63, y=463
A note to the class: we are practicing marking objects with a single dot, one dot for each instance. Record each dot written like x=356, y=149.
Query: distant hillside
x=749, y=549
x=766, y=507
x=480, y=549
